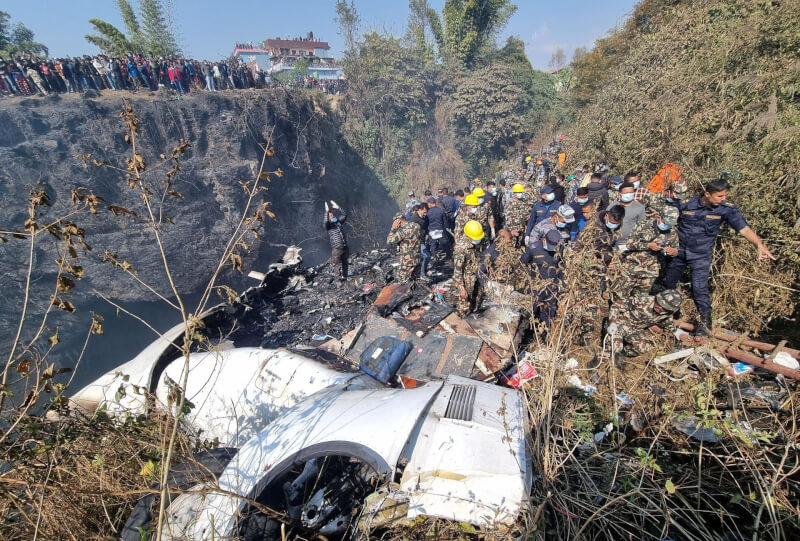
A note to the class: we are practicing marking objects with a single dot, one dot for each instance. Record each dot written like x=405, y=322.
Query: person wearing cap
x=546, y=207
x=700, y=221
x=649, y=247
x=466, y=261
x=540, y=256
x=412, y=202
x=562, y=221
x=614, y=185
x=631, y=322
x=406, y=235
x=671, y=196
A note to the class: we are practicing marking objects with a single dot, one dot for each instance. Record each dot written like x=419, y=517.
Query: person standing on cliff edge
x=334, y=219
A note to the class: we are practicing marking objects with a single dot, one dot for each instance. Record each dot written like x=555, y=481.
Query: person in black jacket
x=339, y=250
x=438, y=224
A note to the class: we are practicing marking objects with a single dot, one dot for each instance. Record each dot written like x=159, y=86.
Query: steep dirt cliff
x=41, y=139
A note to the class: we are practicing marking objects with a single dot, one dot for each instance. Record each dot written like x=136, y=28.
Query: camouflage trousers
x=474, y=295
x=625, y=283
x=630, y=340
x=409, y=267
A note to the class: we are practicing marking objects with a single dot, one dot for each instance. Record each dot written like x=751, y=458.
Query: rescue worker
x=339, y=250
x=540, y=256
x=419, y=215
x=649, y=247
x=411, y=203
x=466, y=261
x=501, y=248
x=470, y=210
x=487, y=222
x=405, y=235
x=596, y=242
x=561, y=221
x=630, y=323
x=544, y=209
x=517, y=212
x=671, y=196
x=701, y=220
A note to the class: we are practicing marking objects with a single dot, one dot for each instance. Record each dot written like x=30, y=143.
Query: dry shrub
x=79, y=478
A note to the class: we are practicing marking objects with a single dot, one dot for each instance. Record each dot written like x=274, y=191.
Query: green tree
x=467, y=27
x=5, y=38
x=18, y=38
x=418, y=30
x=135, y=36
x=109, y=39
x=488, y=115
x=159, y=37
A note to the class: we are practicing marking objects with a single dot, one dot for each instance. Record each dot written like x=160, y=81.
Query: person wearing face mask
x=333, y=225
x=671, y=196
x=466, y=261
x=595, y=244
x=471, y=209
x=517, y=211
x=701, y=220
x=494, y=200
x=580, y=199
x=635, y=178
x=634, y=212
x=544, y=209
x=542, y=260
x=485, y=212
x=562, y=221
x=650, y=245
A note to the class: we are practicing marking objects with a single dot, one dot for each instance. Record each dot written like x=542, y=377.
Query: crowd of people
x=633, y=244
x=26, y=75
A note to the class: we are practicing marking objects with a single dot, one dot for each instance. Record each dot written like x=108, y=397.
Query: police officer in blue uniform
x=543, y=209
x=540, y=256
x=700, y=221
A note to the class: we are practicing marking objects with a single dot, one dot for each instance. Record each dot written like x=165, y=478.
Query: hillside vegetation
x=711, y=86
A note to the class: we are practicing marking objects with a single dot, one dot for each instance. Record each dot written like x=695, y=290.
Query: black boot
x=619, y=360
x=704, y=325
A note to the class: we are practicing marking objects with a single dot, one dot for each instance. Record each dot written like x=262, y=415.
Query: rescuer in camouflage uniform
x=517, y=211
x=670, y=197
x=466, y=261
x=471, y=209
x=630, y=322
x=648, y=246
x=406, y=235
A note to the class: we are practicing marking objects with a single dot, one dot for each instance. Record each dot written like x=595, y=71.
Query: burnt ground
x=298, y=304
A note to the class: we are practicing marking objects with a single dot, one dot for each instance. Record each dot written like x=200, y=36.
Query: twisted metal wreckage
x=400, y=418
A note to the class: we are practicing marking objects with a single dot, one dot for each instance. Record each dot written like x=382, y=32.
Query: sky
x=208, y=29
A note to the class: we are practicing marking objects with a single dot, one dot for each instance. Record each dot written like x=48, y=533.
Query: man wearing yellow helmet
x=484, y=203
x=466, y=260
x=471, y=209
x=517, y=211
